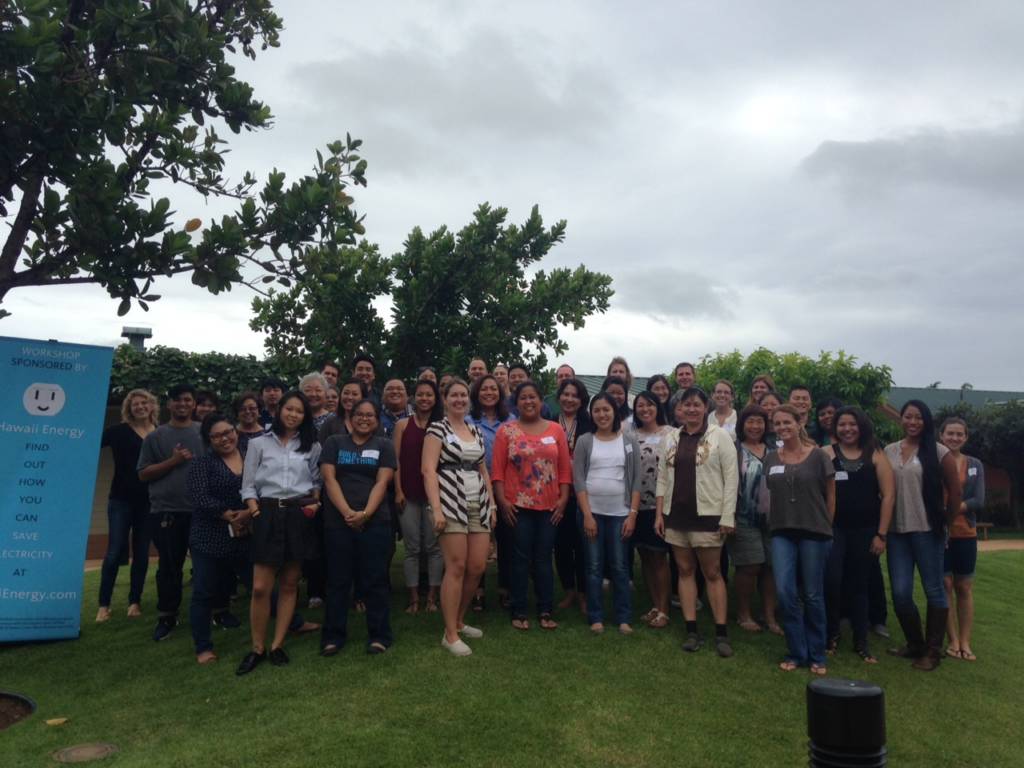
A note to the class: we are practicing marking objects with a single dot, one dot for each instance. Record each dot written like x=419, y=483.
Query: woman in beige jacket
x=696, y=508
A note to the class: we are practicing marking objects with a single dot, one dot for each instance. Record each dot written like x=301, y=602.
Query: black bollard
x=845, y=724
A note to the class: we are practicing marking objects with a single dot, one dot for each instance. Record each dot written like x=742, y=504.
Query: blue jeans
x=534, y=541
x=124, y=518
x=925, y=550
x=212, y=579
x=803, y=610
x=607, y=550
x=364, y=555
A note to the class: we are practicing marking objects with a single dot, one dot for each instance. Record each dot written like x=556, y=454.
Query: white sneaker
x=471, y=632
x=458, y=648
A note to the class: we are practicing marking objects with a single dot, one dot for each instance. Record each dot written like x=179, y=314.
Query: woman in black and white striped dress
x=458, y=490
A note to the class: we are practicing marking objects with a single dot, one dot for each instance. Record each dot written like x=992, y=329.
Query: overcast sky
x=802, y=176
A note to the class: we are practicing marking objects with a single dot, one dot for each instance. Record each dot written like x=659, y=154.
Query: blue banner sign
x=52, y=404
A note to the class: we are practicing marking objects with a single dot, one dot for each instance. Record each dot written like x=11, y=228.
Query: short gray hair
x=313, y=378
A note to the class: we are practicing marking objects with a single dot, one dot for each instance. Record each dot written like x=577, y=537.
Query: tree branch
x=19, y=230
x=31, y=277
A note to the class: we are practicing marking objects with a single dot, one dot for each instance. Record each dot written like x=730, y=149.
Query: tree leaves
x=100, y=100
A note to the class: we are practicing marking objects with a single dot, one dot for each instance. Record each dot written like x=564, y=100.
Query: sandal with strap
x=547, y=622
x=832, y=646
x=866, y=656
x=788, y=666
x=819, y=669
x=660, y=621
x=521, y=623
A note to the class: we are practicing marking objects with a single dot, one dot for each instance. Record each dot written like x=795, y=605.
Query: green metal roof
x=937, y=398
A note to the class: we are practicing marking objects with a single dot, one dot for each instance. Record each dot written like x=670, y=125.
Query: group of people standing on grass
x=318, y=481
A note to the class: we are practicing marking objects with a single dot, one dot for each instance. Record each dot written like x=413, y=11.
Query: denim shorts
x=961, y=557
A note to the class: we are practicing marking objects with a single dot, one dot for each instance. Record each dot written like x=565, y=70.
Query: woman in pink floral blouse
x=531, y=472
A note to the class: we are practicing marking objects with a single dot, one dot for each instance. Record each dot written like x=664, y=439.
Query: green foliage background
x=831, y=374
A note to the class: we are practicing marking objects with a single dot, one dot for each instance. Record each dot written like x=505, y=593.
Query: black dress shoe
x=250, y=662
x=278, y=657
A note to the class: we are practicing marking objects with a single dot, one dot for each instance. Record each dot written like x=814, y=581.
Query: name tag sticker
x=778, y=469
x=371, y=454
x=972, y=471
x=548, y=440
x=653, y=440
x=841, y=475
x=629, y=448
x=778, y=443
x=453, y=439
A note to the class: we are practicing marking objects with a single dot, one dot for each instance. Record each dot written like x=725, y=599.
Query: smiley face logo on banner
x=44, y=399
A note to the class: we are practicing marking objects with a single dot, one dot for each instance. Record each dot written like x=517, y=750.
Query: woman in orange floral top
x=531, y=471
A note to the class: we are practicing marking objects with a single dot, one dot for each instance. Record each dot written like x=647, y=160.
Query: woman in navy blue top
x=219, y=533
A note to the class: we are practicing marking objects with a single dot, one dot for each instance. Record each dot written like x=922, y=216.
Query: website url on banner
x=34, y=596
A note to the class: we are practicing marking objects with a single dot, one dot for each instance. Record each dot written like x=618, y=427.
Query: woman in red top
x=532, y=472
x=415, y=517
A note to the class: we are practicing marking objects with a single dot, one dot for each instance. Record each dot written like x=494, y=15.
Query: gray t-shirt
x=910, y=516
x=169, y=494
x=798, y=494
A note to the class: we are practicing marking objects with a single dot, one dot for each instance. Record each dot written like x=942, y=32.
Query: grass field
x=523, y=699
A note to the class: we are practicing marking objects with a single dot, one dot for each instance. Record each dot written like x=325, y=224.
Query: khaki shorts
x=694, y=539
x=475, y=526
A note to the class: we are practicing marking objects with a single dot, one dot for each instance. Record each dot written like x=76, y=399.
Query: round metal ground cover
x=14, y=708
x=84, y=753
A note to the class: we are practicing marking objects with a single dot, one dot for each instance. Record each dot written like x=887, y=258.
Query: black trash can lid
x=837, y=688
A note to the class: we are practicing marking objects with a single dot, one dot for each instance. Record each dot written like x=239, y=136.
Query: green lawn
x=522, y=699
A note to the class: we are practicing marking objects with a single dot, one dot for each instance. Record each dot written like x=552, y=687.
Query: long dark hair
x=583, y=423
x=604, y=397
x=476, y=410
x=931, y=472
x=306, y=432
x=364, y=392
x=437, y=412
x=650, y=397
x=523, y=386
x=624, y=411
x=581, y=392
x=866, y=441
x=214, y=417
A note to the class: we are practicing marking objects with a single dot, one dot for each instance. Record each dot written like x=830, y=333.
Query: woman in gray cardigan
x=606, y=470
x=962, y=548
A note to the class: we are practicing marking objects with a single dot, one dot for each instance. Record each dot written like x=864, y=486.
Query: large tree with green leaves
x=328, y=312
x=471, y=292
x=107, y=104
x=454, y=295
